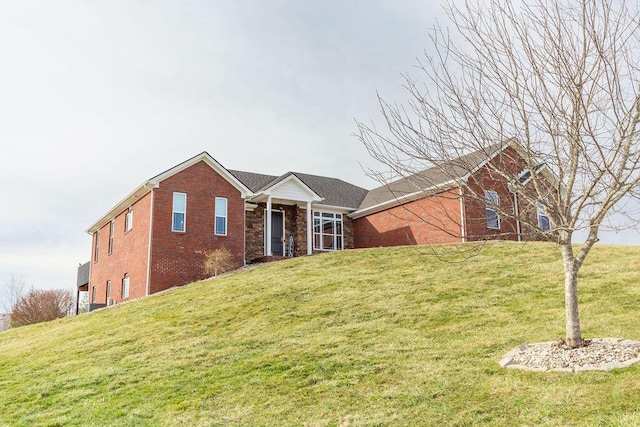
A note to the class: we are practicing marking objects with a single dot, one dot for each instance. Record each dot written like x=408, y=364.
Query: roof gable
x=332, y=191
x=433, y=180
x=154, y=182
x=213, y=164
x=290, y=187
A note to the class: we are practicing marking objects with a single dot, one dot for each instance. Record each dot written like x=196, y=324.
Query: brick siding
x=177, y=258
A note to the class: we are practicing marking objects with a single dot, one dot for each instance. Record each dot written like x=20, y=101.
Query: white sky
x=96, y=97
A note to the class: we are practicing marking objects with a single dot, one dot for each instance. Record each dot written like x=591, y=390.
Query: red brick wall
x=177, y=258
x=475, y=209
x=431, y=220
x=129, y=255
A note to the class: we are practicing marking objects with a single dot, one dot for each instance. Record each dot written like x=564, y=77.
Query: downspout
x=244, y=232
x=268, y=228
x=309, y=230
x=149, y=245
x=462, y=217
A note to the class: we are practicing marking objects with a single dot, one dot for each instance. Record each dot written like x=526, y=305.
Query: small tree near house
x=41, y=306
x=558, y=80
x=218, y=261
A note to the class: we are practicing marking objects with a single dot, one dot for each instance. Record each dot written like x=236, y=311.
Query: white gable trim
x=213, y=164
x=129, y=200
x=154, y=182
x=291, y=188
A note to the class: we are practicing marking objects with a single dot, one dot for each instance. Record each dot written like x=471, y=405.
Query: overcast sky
x=96, y=97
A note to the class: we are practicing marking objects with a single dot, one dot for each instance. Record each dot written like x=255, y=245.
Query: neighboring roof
x=435, y=179
x=83, y=274
x=333, y=191
x=152, y=183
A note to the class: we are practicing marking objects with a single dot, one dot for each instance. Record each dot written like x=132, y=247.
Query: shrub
x=218, y=261
x=41, y=306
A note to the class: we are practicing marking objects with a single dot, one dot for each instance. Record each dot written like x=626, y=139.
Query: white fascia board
x=213, y=164
x=406, y=198
x=329, y=208
x=490, y=157
x=125, y=203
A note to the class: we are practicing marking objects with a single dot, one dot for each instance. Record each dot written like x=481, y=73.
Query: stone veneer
x=295, y=223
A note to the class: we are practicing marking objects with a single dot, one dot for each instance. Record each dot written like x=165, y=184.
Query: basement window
x=125, y=286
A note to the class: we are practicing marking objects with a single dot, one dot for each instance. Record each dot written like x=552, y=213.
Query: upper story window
x=128, y=221
x=327, y=231
x=221, y=216
x=96, y=248
x=543, y=219
x=112, y=227
x=491, y=204
x=179, y=212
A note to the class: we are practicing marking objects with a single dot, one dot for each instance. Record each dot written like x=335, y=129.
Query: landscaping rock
x=602, y=354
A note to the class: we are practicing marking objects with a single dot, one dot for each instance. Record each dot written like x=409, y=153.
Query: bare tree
x=12, y=291
x=559, y=82
x=218, y=261
x=42, y=305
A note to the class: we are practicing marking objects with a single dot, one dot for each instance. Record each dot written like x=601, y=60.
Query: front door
x=277, y=233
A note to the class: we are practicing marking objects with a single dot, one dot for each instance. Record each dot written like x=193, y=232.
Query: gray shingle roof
x=436, y=176
x=255, y=181
x=335, y=192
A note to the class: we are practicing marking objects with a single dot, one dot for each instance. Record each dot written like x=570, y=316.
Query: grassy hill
x=387, y=336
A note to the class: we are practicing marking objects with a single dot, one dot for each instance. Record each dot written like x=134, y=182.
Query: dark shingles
x=254, y=181
x=335, y=192
x=436, y=176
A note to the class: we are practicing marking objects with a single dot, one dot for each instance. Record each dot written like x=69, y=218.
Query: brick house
x=156, y=237
x=462, y=200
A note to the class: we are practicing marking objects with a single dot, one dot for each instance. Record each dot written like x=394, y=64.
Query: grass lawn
x=388, y=336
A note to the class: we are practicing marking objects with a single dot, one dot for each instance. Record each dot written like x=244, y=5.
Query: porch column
x=309, y=230
x=268, y=228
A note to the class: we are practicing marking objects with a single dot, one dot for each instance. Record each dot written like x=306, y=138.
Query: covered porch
x=279, y=220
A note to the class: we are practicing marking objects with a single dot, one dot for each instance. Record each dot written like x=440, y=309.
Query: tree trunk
x=573, y=336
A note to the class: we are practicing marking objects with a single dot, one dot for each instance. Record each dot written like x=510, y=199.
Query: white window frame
x=491, y=201
x=125, y=286
x=174, y=212
x=542, y=214
x=94, y=294
x=319, y=235
x=221, y=215
x=96, y=250
x=128, y=221
x=112, y=232
x=108, y=291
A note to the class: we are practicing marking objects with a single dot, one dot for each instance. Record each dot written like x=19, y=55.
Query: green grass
x=379, y=337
